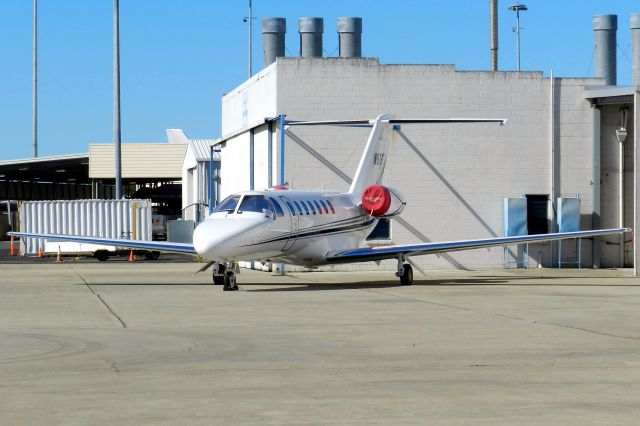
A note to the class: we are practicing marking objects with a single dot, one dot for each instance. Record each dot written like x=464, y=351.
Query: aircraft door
x=293, y=214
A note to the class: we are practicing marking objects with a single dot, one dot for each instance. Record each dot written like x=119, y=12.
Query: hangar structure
x=563, y=139
x=175, y=176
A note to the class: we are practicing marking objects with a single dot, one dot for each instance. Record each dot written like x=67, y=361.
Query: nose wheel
x=230, y=281
x=405, y=273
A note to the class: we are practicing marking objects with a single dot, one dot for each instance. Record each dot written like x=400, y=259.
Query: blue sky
x=179, y=57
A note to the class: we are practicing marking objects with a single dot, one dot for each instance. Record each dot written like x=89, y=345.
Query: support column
x=252, y=176
x=282, y=138
x=636, y=182
x=595, y=216
x=270, y=153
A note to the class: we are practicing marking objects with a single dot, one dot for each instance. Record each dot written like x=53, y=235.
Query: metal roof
x=602, y=95
x=202, y=151
x=58, y=168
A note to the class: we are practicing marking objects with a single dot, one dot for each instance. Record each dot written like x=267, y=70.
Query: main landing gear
x=405, y=272
x=224, y=275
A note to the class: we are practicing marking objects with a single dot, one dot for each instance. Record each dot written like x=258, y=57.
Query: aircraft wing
x=130, y=244
x=394, y=252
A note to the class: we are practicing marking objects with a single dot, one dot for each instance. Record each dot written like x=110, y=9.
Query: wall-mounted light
x=60, y=170
x=622, y=133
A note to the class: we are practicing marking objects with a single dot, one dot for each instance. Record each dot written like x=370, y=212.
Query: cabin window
x=277, y=206
x=255, y=203
x=333, y=211
x=228, y=205
x=299, y=208
x=304, y=207
x=318, y=206
x=290, y=207
x=311, y=207
x=382, y=231
x=323, y=204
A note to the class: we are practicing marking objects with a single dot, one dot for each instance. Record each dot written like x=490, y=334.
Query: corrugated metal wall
x=138, y=161
x=94, y=218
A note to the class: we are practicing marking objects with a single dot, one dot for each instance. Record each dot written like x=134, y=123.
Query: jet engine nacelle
x=381, y=201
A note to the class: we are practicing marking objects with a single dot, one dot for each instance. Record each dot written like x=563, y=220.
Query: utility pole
x=116, y=97
x=35, y=79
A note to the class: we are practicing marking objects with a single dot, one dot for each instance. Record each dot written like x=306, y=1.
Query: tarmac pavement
x=151, y=343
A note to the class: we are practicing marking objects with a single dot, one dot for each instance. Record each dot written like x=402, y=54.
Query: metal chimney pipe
x=273, y=31
x=493, y=33
x=311, y=30
x=350, y=34
x=604, y=33
x=635, y=48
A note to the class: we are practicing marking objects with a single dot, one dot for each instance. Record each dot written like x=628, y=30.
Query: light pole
x=35, y=78
x=517, y=7
x=116, y=97
x=249, y=19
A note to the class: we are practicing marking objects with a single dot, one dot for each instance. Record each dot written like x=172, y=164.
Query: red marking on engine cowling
x=376, y=200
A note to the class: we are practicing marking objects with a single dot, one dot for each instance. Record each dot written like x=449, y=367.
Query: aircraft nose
x=215, y=238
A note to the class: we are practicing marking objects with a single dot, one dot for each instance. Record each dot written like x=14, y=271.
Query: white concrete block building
x=559, y=142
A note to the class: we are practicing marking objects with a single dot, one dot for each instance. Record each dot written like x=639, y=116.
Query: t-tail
x=374, y=158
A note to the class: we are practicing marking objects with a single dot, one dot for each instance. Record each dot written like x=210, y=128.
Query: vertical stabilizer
x=374, y=158
x=176, y=136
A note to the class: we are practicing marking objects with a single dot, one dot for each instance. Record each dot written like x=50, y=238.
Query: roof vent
x=311, y=30
x=273, y=31
x=350, y=35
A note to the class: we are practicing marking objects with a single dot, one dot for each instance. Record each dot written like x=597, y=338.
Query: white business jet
x=314, y=228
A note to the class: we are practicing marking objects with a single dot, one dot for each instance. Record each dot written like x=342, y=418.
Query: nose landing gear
x=224, y=275
x=405, y=272
x=230, y=281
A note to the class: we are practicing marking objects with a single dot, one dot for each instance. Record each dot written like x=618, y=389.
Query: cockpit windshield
x=228, y=204
x=255, y=203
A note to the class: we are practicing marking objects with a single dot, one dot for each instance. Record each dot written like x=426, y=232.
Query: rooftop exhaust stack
x=493, y=33
x=604, y=33
x=311, y=30
x=273, y=31
x=635, y=48
x=350, y=34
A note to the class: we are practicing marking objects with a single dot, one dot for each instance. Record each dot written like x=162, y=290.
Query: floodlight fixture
x=517, y=7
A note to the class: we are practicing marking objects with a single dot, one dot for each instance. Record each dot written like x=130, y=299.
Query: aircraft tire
x=230, y=281
x=407, y=276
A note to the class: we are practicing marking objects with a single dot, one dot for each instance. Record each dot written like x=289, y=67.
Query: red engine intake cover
x=376, y=200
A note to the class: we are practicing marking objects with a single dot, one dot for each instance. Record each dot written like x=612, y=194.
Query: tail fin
x=176, y=136
x=374, y=158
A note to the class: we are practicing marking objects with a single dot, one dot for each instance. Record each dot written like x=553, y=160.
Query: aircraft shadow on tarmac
x=451, y=282
x=287, y=286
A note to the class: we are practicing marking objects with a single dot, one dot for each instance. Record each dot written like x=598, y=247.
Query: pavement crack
x=571, y=327
x=600, y=333
x=106, y=305
x=115, y=367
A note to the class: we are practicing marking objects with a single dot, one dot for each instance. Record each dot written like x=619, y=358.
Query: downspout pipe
x=552, y=157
